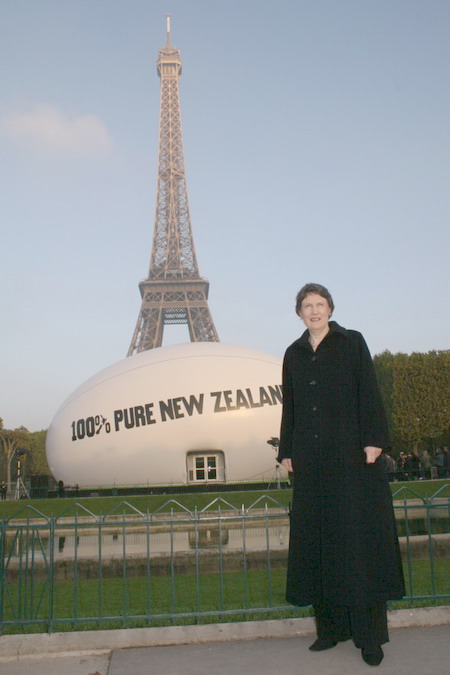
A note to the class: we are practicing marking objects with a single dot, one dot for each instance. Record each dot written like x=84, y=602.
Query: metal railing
x=81, y=570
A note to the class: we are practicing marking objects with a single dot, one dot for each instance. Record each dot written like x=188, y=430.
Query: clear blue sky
x=317, y=146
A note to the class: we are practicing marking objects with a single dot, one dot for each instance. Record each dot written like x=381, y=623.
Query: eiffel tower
x=174, y=292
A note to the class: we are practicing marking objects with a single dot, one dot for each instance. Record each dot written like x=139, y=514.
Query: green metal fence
x=126, y=568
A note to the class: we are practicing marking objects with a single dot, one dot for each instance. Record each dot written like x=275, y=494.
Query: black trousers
x=366, y=626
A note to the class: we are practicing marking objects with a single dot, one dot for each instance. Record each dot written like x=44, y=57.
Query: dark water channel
x=66, y=546
x=135, y=542
x=420, y=526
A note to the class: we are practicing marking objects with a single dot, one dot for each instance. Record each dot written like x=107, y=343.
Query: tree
x=38, y=460
x=421, y=396
x=11, y=441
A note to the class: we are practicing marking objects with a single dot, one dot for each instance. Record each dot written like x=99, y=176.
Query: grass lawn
x=120, y=505
x=114, y=603
x=103, y=505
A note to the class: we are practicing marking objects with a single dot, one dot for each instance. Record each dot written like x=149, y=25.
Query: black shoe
x=320, y=645
x=372, y=656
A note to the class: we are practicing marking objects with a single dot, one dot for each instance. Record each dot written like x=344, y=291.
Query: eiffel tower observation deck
x=174, y=292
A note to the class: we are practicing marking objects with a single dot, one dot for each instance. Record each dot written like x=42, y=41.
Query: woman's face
x=315, y=311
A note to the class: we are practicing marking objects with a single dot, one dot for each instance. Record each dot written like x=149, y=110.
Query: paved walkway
x=414, y=650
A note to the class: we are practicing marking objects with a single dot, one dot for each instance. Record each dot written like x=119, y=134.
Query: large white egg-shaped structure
x=181, y=414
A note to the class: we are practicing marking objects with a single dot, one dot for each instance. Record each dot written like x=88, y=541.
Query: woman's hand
x=287, y=463
x=372, y=454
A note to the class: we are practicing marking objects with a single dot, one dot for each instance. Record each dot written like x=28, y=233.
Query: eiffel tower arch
x=174, y=292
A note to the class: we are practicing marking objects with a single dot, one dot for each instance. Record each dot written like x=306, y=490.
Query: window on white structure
x=205, y=467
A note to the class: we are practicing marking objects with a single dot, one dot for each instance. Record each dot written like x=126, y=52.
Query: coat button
x=314, y=358
x=316, y=435
x=313, y=382
x=314, y=408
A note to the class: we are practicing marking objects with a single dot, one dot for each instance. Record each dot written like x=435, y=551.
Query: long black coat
x=343, y=542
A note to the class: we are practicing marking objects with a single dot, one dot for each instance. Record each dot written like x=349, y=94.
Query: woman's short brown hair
x=313, y=288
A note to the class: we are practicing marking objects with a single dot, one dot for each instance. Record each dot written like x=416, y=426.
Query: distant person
x=389, y=464
x=344, y=556
x=402, y=466
x=61, y=489
x=439, y=463
x=446, y=453
x=425, y=463
x=3, y=490
x=414, y=466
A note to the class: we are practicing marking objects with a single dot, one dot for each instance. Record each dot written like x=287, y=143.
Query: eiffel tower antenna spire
x=168, y=45
x=174, y=292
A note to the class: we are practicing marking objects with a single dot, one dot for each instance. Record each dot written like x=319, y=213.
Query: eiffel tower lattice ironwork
x=174, y=292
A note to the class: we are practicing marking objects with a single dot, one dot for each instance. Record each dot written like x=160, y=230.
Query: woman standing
x=344, y=556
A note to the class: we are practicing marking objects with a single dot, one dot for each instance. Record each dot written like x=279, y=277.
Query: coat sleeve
x=287, y=418
x=372, y=418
